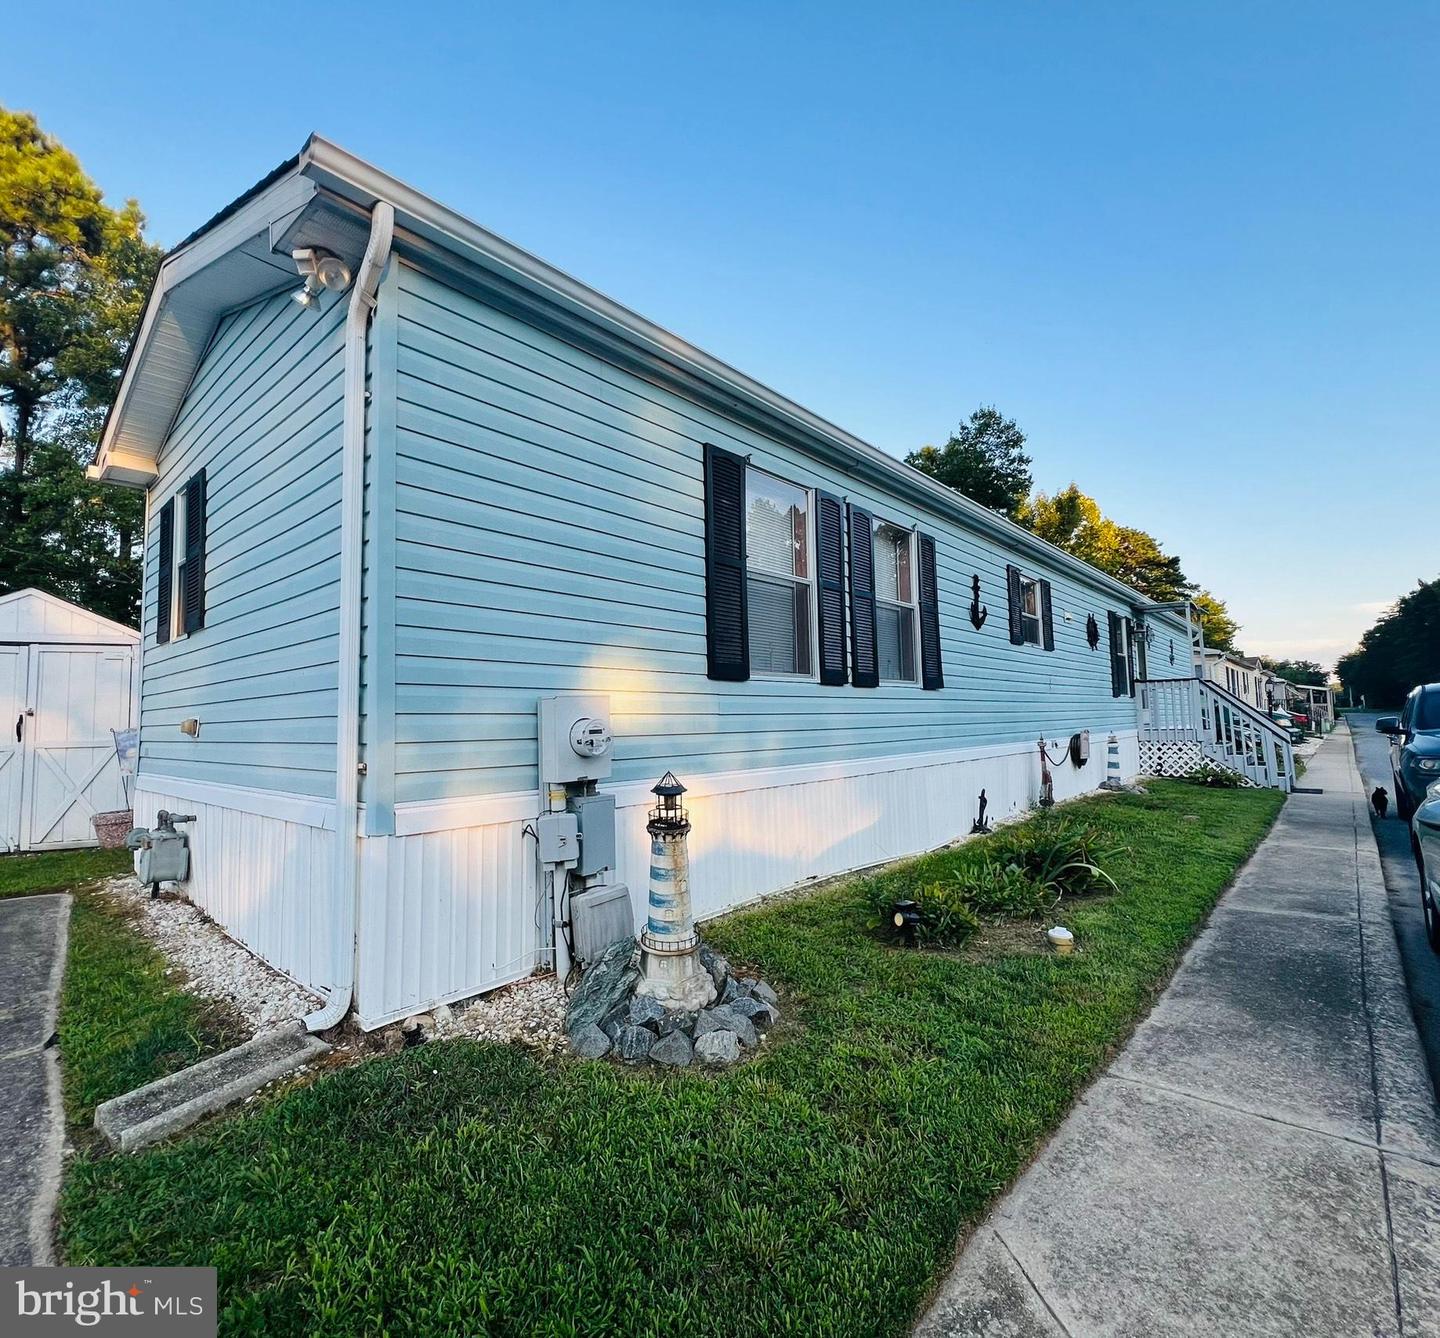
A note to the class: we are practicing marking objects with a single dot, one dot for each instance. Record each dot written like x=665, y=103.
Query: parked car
x=1414, y=747
x=1425, y=841
x=1289, y=724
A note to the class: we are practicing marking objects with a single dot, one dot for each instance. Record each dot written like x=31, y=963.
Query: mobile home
x=406, y=482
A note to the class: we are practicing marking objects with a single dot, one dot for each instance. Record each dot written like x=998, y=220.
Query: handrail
x=1230, y=700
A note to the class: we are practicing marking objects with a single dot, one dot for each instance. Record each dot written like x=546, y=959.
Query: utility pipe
x=346, y=880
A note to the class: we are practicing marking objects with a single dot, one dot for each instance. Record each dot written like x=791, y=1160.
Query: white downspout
x=346, y=881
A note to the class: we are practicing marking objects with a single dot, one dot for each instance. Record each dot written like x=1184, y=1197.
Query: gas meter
x=163, y=853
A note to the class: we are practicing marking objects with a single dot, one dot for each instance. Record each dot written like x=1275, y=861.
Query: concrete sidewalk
x=1263, y=1157
x=33, y=935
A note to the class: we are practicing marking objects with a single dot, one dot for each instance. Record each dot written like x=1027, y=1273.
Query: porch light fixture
x=321, y=271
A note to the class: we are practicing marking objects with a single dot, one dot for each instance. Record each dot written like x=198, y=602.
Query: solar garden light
x=670, y=969
x=905, y=916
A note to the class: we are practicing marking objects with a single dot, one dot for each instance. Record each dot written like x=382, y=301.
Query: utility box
x=598, y=916
x=559, y=838
x=595, y=817
x=575, y=738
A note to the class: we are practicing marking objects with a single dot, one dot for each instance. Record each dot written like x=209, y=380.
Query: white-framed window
x=895, y=602
x=778, y=544
x=1030, y=610
x=177, y=565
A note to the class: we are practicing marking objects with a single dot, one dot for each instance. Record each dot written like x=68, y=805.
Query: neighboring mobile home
x=386, y=519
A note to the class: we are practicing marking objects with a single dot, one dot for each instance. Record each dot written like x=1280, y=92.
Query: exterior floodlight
x=320, y=270
x=905, y=916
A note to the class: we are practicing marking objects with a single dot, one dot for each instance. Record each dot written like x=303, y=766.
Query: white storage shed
x=67, y=680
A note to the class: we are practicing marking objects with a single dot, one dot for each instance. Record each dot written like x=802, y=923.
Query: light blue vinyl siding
x=263, y=418
x=549, y=538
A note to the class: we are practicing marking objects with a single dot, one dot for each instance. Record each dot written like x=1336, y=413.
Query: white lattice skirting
x=1179, y=757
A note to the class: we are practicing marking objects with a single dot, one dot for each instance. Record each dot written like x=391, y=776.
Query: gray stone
x=611, y=980
x=765, y=994
x=646, y=1012
x=717, y=966
x=735, y=988
x=589, y=1042
x=673, y=1050
x=724, y=1018
x=681, y=1022
x=633, y=1043
x=612, y=1027
x=761, y=1014
x=718, y=1047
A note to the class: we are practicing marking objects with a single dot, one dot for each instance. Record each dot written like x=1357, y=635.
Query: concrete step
x=162, y=1108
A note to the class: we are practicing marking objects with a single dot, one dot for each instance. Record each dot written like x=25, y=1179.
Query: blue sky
x=1192, y=249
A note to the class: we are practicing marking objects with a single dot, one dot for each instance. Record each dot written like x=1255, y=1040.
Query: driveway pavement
x=1402, y=881
x=1263, y=1157
x=33, y=932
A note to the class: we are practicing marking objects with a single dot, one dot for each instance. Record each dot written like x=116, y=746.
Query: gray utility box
x=164, y=852
x=595, y=816
x=598, y=916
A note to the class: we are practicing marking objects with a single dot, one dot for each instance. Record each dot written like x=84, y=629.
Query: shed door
x=79, y=694
x=14, y=675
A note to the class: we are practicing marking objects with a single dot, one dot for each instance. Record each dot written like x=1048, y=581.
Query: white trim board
x=416, y=817
x=303, y=809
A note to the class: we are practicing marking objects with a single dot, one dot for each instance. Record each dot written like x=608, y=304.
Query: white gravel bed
x=530, y=1012
x=213, y=965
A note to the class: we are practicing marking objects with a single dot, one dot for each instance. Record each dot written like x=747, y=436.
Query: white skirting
x=452, y=906
x=264, y=879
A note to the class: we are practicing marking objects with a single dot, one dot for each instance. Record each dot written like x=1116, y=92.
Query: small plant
x=1003, y=890
x=1065, y=857
x=1213, y=775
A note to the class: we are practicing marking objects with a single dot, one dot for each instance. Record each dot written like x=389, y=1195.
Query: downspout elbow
x=352, y=518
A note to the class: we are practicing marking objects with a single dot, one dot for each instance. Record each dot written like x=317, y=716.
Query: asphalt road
x=1422, y=967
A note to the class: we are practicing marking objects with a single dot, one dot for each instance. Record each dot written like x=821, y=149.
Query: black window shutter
x=1130, y=655
x=830, y=562
x=1012, y=586
x=1047, y=617
x=727, y=622
x=164, y=564
x=1118, y=686
x=932, y=674
x=193, y=585
x=864, y=655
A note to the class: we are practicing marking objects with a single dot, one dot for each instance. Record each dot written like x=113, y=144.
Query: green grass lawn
x=58, y=870
x=470, y=1188
x=123, y=1022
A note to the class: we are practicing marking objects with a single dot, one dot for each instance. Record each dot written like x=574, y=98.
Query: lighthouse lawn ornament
x=670, y=969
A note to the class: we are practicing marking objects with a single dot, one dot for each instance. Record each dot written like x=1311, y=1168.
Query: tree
x=1071, y=520
x=1399, y=651
x=1297, y=671
x=1216, y=624
x=74, y=275
x=984, y=459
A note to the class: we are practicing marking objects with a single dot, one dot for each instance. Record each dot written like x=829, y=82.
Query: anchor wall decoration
x=978, y=614
x=1092, y=631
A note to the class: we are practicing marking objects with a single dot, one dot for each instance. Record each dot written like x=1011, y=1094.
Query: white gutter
x=346, y=881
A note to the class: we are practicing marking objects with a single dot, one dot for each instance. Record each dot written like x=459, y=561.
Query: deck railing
x=1185, y=722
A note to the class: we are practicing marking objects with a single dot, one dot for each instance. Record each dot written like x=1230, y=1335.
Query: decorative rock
x=718, y=1047
x=646, y=1012
x=634, y=1043
x=681, y=1022
x=613, y=1026
x=760, y=1013
x=673, y=1050
x=444, y=1017
x=589, y=1042
x=724, y=1018
x=735, y=988
x=763, y=992
x=717, y=966
x=611, y=980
